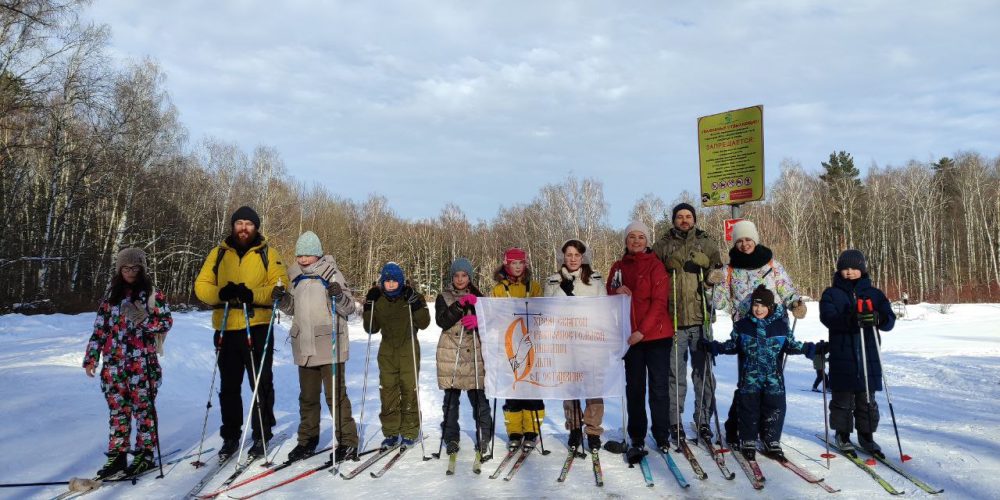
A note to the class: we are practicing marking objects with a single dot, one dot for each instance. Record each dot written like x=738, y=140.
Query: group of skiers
x=674, y=285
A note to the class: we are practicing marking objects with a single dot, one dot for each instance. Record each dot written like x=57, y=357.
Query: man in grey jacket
x=693, y=261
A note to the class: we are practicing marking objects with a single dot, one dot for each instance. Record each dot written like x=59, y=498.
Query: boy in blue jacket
x=850, y=309
x=761, y=340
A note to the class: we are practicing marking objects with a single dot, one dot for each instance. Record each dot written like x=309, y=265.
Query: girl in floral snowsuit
x=131, y=322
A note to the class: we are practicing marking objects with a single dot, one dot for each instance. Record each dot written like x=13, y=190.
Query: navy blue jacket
x=838, y=311
x=761, y=344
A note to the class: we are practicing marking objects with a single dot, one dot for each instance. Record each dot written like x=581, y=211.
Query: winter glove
x=798, y=309
x=822, y=348
x=700, y=260
x=228, y=292
x=709, y=347
x=809, y=350
x=243, y=294
x=334, y=290
x=414, y=299
x=135, y=312
x=567, y=287
x=674, y=264
x=467, y=300
x=715, y=276
x=278, y=293
x=370, y=297
x=868, y=318
x=469, y=322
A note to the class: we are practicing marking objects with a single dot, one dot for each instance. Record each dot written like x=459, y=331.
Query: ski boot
x=229, y=448
x=116, y=464
x=142, y=462
x=842, y=441
x=389, y=442
x=594, y=443
x=406, y=443
x=867, y=442
x=257, y=448
x=575, y=438
x=636, y=453
x=773, y=449
x=451, y=448
x=303, y=450
x=514, y=441
x=343, y=453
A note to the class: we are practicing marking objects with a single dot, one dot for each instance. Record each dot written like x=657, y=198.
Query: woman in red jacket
x=641, y=275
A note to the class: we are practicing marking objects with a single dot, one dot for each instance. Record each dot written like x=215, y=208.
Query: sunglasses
x=131, y=269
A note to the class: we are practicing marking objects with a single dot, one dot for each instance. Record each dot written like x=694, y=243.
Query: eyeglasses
x=131, y=269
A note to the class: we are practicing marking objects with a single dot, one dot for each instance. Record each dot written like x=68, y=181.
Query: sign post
x=731, y=157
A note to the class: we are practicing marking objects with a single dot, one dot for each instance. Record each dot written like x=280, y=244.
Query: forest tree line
x=94, y=159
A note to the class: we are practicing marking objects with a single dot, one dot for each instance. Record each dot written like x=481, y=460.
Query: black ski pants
x=480, y=413
x=760, y=415
x=648, y=361
x=850, y=410
x=234, y=362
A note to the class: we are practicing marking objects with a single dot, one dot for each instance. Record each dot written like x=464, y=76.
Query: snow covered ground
x=942, y=368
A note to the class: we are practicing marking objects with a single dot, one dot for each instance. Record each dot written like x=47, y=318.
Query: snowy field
x=943, y=372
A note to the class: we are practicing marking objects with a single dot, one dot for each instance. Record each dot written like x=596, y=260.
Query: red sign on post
x=729, y=228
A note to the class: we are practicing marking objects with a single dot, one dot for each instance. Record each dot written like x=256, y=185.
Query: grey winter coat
x=312, y=327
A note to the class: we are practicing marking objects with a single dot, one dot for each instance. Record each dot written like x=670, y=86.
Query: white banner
x=554, y=347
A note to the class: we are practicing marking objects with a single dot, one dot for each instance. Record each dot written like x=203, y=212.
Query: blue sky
x=482, y=103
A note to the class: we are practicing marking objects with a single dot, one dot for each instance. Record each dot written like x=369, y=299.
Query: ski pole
x=477, y=407
x=254, y=401
x=364, y=386
x=705, y=329
x=864, y=365
x=826, y=427
x=334, y=388
x=709, y=372
x=416, y=384
x=538, y=427
x=675, y=367
x=878, y=352
x=215, y=370
x=447, y=397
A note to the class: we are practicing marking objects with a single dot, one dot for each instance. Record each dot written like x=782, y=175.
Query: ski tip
x=870, y=462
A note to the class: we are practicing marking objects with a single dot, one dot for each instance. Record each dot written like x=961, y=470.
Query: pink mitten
x=469, y=322
x=467, y=300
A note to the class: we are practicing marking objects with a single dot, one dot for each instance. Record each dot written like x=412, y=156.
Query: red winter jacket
x=645, y=275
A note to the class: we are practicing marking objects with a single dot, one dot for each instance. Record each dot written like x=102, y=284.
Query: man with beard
x=241, y=272
x=692, y=258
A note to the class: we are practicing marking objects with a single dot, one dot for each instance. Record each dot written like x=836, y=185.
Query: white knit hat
x=745, y=229
x=638, y=226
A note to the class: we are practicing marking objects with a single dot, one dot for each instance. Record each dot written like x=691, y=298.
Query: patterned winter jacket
x=760, y=345
x=744, y=273
x=838, y=311
x=456, y=366
x=128, y=349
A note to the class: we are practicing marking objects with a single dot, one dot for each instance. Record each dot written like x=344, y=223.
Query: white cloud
x=438, y=93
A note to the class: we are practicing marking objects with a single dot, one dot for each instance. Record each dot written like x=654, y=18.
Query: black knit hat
x=246, y=213
x=852, y=259
x=761, y=295
x=683, y=206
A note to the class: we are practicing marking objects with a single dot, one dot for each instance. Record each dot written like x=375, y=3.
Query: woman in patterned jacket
x=131, y=323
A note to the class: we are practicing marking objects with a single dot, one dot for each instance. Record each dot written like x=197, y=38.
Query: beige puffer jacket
x=447, y=315
x=308, y=302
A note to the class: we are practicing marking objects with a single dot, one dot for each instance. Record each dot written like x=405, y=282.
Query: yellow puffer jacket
x=248, y=270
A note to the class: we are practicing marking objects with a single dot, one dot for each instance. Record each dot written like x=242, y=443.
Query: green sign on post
x=731, y=156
